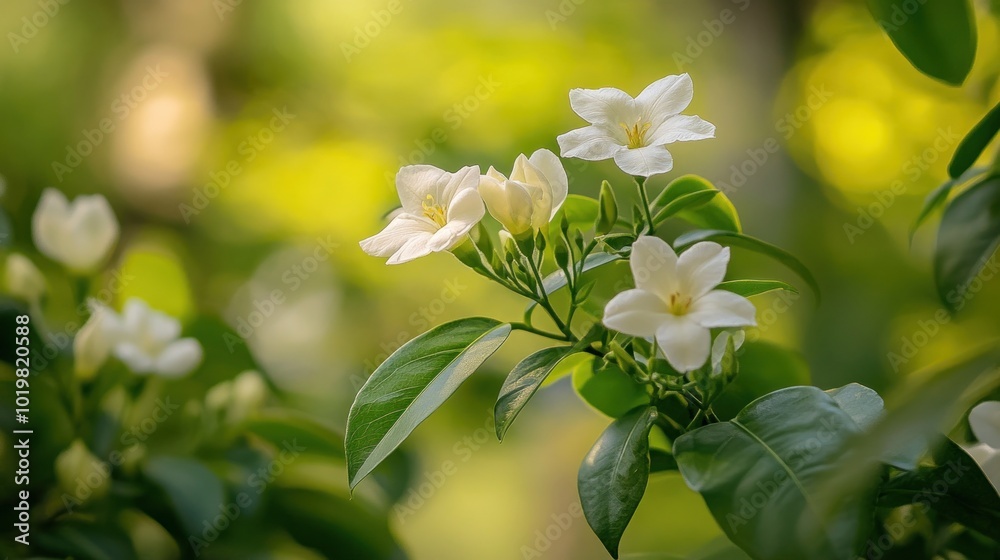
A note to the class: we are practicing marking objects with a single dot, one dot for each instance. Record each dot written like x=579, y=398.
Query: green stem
x=528, y=328
x=644, y=197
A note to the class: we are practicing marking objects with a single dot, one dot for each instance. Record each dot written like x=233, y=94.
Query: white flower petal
x=603, y=106
x=415, y=182
x=989, y=461
x=654, y=266
x=401, y=229
x=665, y=97
x=94, y=232
x=985, y=421
x=682, y=128
x=645, y=162
x=161, y=328
x=720, y=308
x=466, y=210
x=47, y=223
x=416, y=247
x=592, y=143
x=635, y=313
x=701, y=268
x=466, y=178
x=552, y=168
x=134, y=357
x=685, y=344
x=179, y=358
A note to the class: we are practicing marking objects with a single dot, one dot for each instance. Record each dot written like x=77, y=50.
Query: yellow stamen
x=678, y=305
x=636, y=134
x=435, y=212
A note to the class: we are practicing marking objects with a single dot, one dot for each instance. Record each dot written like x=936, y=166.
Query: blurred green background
x=253, y=144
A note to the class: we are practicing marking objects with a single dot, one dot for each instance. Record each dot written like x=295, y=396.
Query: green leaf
x=968, y=237
x=613, y=476
x=607, y=388
x=938, y=37
x=714, y=212
x=683, y=202
x=567, y=366
x=735, y=239
x=661, y=461
x=580, y=213
x=85, y=541
x=522, y=383
x=936, y=198
x=861, y=403
x=411, y=384
x=750, y=288
x=758, y=473
x=764, y=367
x=956, y=487
x=974, y=143
x=278, y=427
x=191, y=488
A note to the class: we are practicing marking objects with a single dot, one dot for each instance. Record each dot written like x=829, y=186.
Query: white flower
x=145, y=340
x=985, y=421
x=439, y=209
x=634, y=131
x=674, y=300
x=530, y=198
x=80, y=235
x=24, y=280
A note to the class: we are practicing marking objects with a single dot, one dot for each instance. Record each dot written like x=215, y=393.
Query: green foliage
x=937, y=36
x=194, y=491
x=697, y=201
x=968, y=237
x=613, y=475
x=975, y=143
x=764, y=367
x=760, y=470
x=607, y=388
x=522, y=383
x=750, y=288
x=413, y=383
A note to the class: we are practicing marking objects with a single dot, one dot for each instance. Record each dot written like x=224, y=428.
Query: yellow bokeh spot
x=154, y=274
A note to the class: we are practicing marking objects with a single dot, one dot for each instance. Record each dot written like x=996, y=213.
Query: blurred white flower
x=80, y=235
x=530, y=198
x=77, y=464
x=439, y=209
x=634, y=131
x=674, y=300
x=145, y=340
x=24, y=280
x=985, y=421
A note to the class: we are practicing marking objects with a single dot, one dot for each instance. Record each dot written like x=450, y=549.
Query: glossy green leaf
x=968, y=237
x=278, y=427
x=522, y=383
x=936, y=198
x=567, y=366
x=750, y=288
x=334, y=525
x=608, y=389
x=194, y=491
x=683, y=202
x=764, y=367
x=715, y=212
x=661, y=461
x=861, y=403
x=758, y=473
x=937, y=36
x=974, y=143
x=411, y=384
x=955, y=487
x=613, y=476
x=84, y=541
x=578, y=210
x=735, y=239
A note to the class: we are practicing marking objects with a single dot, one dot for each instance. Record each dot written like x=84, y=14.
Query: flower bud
x=24, y=280
x=92, y=344
x=81, y=474
x=528, y=200
x=79, y=235
x=607, y=211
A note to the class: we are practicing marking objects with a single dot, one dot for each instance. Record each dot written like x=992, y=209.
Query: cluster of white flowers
x=81, y=235
x=674, y=302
